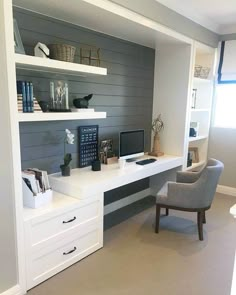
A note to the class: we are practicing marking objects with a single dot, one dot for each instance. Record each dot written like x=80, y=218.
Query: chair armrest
x=187, y=177
x=186, y=195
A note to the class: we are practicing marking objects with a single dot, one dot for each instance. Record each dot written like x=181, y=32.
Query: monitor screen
x=131, y=143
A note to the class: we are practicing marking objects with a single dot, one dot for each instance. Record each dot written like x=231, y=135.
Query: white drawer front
x=49, y=260
x=42, y=229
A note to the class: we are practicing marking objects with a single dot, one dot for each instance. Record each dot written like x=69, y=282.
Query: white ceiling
x=96, y=14
x=216, y=15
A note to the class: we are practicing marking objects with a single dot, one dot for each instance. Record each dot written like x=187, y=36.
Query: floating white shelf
x=195, y=165
x=197, y=79
x=34, y=117
x=191, y=139
x=200, y=110
x=34, y=63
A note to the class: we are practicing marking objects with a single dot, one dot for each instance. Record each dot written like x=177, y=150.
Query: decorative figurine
x=41, y=50
x=82, y=103
x=157, y=127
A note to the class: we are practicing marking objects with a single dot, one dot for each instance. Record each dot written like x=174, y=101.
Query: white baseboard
x=16, y=290
x=126, y=201
x=226, y=190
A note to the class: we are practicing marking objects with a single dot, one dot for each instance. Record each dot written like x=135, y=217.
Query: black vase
x=65, y=170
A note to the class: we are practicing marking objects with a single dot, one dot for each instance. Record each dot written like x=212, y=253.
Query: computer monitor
x=131, y=144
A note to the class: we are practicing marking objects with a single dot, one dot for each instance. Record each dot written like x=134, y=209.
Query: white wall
x=8, y=260
x=222, y=145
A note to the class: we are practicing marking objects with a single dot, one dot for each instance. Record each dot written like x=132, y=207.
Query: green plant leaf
x=67, y=159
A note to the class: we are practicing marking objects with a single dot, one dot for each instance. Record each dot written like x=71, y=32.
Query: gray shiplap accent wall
x=126, y=93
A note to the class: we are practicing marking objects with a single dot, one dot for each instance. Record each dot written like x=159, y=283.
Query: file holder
x=35, y=201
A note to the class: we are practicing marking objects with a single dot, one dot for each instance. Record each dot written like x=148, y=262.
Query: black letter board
x=88, y=145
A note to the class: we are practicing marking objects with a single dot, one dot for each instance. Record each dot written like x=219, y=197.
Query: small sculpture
x=157, y=127
x=41, y=50
x=82, y=103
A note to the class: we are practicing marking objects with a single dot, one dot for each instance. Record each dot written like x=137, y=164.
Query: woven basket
x=62, y=52
x=201, y=72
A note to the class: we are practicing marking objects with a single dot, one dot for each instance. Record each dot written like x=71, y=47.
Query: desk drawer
x=43, y=228
x=45, y=262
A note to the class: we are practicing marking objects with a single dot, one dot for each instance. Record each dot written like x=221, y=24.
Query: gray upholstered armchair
x=192, y=191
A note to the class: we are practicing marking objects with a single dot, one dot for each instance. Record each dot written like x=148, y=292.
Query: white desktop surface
x=84, y=182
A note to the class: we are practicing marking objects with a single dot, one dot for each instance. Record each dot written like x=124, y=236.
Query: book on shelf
x=20, y=103
x=22, y=91
x=26, y=91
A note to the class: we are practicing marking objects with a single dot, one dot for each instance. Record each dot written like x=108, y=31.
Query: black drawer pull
x=71, y=251
x=71, y=220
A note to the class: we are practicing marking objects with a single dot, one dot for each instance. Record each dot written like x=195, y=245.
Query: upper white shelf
x=202, y=80
x=34, y=117
x=200, y=110
x=191, y=139
x=34, y=63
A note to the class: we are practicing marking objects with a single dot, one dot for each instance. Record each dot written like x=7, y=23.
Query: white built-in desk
x=71, y=226
x=84, y=182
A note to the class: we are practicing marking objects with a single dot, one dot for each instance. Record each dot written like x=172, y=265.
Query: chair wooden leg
x=158, y=213
x=200, y=225
x=167, y=211
x=204, y=217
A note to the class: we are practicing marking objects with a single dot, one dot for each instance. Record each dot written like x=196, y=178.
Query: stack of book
x=25, y=98
x=37, y=108
x=36, y=180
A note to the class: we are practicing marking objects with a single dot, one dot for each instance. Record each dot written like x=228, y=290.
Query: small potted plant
x=69, y=139
x=157, y=127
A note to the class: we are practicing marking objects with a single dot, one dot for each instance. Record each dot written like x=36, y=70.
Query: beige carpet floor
x=137, y=261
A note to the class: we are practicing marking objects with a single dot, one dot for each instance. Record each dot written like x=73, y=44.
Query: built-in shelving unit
x=173, y=71
x=203, y=92
x=32, y=117
x=34, y=63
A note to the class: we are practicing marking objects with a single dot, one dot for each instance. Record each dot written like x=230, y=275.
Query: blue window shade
x=227, y=63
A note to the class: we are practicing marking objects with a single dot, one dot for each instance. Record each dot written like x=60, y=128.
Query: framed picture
x=194, y=154
x=107, y=145
x=19, y=48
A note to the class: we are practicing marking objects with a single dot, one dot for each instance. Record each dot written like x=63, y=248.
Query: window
x=225, y=111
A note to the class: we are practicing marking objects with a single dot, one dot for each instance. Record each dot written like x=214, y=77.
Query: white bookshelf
x=34, y=117
x=34, y=63
x=205, y=57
